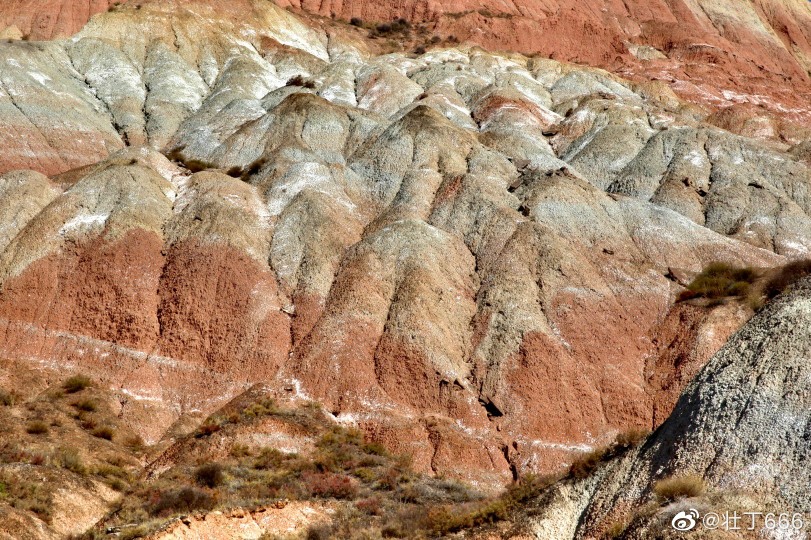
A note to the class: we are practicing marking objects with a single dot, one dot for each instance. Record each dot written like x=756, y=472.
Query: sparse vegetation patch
x=36, y=427
x=721, y=280
x=679, y=487
x=588, y=462
x=77, y=383
x=299, y=80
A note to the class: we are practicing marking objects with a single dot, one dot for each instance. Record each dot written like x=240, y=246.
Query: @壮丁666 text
x=734, y=520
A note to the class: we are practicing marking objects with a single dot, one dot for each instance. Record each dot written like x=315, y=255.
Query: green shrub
x=108, y=470
x=115, y=476
x=270, y=458
x=28, y=496
x=77, y=383
x=72, y=461
x=720, y=280
x=364, y=474
x=266, y=407
x=182, y=500
x=444, y=520
x=240, y=450
x=375, y=448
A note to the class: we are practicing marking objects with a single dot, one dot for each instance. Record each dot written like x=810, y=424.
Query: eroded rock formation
x=472, y=256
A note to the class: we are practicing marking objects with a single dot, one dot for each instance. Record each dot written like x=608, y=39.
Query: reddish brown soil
x=104, y=290
x=688, y=337
x=47, y=19
x=218, y=307
x=167, y=333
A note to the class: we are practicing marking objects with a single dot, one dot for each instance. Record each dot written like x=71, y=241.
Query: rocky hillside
x=465, y=253
x=718, y=452
x=749, y=60
x=472, y=257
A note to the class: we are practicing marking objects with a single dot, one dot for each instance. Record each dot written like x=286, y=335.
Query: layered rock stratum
x=748, y=60
x=472, y=256
x=455, y=250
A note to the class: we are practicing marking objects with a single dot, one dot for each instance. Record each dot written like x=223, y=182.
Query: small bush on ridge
x=77, y=383
x=720, y=280
x=210, y=475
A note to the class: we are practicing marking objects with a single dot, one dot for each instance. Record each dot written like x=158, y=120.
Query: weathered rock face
x=740, y=427
x=469, y=255
x=757, y=81
x=49, y=120
x=713, y=52
x=741, y=424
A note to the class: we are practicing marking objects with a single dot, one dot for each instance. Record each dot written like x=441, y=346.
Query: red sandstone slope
x=47, y=19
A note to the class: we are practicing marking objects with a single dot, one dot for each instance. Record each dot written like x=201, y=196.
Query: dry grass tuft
x=104, y=432
x=588, y=462
x=721, y=280
x=210, y=475
x=77, y=383
x=680, y=487
x=86, y=405
x=7, y=399
x=36, y=427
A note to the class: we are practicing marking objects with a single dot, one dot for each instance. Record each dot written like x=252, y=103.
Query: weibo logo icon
x=685, y=521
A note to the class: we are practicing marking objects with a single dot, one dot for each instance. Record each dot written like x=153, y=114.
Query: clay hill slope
x=472, y=257
x=47, y=19
x=713, y=52
x=737, y=441
x=749, y=60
